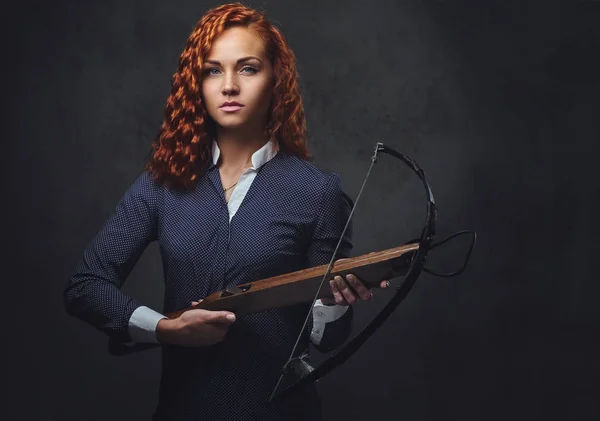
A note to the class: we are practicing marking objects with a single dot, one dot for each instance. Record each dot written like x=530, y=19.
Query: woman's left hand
x=348, y=291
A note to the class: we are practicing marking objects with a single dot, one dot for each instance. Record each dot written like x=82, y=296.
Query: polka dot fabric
x=291, y=218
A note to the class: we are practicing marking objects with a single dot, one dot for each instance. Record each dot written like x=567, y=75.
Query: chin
x=232, y=122
x=229, y=125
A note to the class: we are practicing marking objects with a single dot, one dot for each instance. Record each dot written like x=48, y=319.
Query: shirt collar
x=259, y=158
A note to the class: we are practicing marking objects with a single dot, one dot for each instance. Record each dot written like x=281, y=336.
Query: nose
x=230, y=85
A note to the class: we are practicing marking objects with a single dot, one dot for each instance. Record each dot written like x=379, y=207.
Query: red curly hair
x=182, y=149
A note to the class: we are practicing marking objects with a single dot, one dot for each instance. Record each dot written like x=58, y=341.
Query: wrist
x=165, y=331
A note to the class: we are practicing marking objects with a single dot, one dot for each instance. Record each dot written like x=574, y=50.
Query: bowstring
x=330, y=266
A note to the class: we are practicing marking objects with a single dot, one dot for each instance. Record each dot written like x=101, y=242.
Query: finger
x=337, y=295
x=328, y=301
x=195, y=303
x=360, y=288
x=345, y=290
x=220, y=317
x=384, y=284
x=219, y=329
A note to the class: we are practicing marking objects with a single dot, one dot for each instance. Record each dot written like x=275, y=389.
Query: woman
x=231, y=197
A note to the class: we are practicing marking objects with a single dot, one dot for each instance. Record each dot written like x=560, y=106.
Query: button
x=319, y=313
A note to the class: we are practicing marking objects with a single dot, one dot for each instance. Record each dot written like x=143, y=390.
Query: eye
x=211, y=71
x=249, y=69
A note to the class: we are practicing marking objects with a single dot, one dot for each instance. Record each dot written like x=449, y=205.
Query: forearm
x=101, y=304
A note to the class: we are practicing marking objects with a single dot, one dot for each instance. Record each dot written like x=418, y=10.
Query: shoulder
x=305, y=179
x=145, y=190
x=306, y=174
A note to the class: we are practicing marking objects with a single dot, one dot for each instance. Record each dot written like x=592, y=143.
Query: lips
x=228, y=103
x=231, y=106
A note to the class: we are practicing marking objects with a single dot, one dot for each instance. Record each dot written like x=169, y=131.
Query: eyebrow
x=239, y=61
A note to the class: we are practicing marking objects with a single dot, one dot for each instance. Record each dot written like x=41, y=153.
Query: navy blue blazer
x=290, y=219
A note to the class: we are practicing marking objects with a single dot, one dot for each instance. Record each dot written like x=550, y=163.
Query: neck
x=237, y=149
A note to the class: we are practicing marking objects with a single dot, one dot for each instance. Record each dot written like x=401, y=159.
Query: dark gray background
x=497, y=100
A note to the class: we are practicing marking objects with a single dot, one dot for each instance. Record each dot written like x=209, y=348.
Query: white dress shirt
x=143, y=321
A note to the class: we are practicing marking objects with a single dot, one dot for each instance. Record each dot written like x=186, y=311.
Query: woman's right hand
x=195, y=328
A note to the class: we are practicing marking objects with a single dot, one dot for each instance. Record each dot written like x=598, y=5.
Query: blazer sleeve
x=93, y=293
x=331, y=217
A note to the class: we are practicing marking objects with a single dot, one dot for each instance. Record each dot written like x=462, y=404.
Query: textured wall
x=499, y=103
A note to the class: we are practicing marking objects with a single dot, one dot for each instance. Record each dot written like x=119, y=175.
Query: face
x=237, y=82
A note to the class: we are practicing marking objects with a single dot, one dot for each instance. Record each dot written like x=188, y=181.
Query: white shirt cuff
x=322, y=315
x=142, y=324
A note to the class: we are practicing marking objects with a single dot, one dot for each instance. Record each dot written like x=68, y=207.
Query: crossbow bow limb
x=298, y=368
